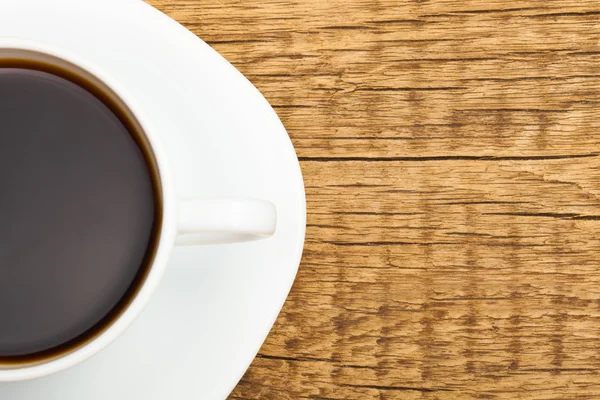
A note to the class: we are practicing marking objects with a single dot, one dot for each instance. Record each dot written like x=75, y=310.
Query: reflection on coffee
x=79, y=211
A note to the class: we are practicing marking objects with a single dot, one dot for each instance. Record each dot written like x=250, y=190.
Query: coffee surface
x=77, y=212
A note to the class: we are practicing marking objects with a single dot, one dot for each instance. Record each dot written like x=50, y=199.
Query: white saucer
x=217, y=303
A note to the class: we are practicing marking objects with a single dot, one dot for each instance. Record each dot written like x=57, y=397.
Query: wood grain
x=451, y=153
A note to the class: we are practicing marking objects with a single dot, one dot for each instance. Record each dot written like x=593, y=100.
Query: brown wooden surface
x=450, y=151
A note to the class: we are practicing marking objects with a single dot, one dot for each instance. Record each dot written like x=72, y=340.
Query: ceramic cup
x=184, y=222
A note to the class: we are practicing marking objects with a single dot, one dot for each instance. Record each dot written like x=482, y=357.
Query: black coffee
x=78, y=212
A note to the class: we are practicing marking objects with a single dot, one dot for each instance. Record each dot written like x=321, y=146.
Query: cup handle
x=224, y=220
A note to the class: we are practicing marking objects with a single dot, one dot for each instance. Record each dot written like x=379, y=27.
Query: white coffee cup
x=184, y=222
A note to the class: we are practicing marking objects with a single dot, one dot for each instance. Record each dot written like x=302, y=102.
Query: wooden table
x=451, y=153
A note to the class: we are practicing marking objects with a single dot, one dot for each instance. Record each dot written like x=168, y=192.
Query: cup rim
x=165, y=236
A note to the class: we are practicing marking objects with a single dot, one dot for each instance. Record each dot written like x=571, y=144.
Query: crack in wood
x=450, y=158
x=398, y=388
